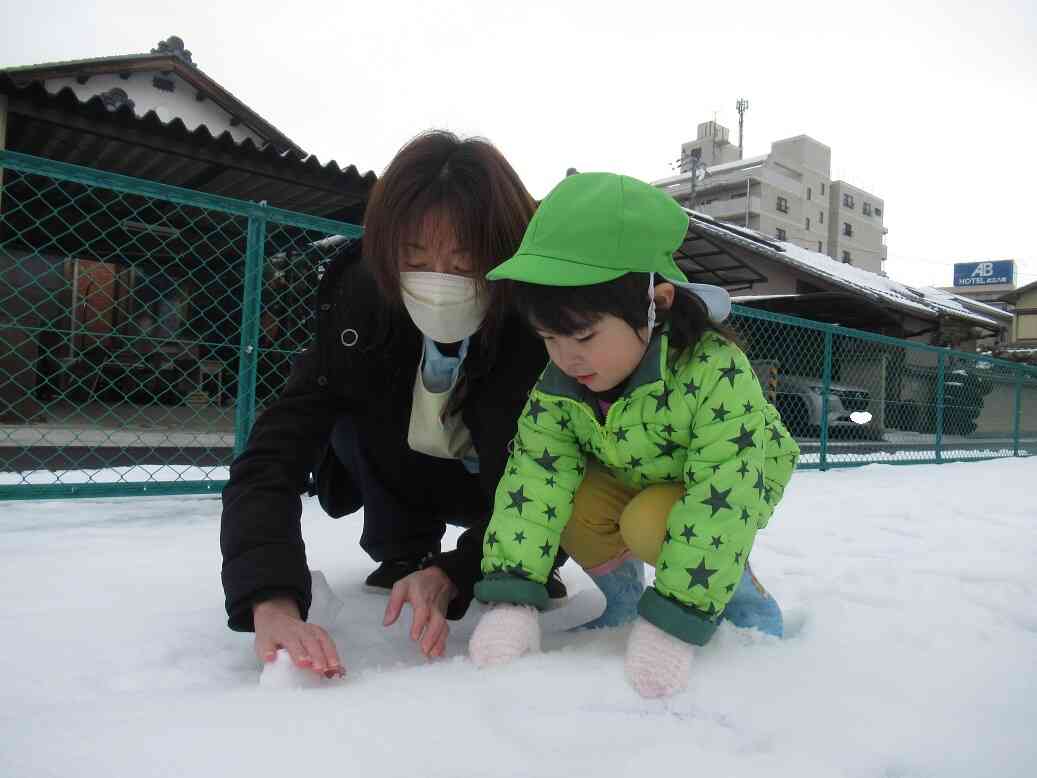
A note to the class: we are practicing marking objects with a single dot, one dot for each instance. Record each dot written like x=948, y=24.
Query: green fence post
x=826, y=387
x=941, y=361
x=248, y=352
x=1017, y=421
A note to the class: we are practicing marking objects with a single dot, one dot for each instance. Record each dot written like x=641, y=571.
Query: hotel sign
x=984, y=273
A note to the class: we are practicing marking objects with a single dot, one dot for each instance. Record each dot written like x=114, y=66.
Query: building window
x=808, y=222
x=822, y=188
x=878, y=212
x=783, y=205
x=847, y=200
x=821, y=247
x=820, y=217
x=866, y=208
x=737, y=194
x=808, y=192
x=780, y=234
x=846, y=257
x=847, y=229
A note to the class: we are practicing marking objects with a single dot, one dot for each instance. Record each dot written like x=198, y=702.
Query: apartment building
x=787, y=194
x=855, y=231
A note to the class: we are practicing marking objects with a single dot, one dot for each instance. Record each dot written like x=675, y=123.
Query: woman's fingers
x=421, y=617
x=297, y=651
x=397, y=597
x=266, y=648
x=333, y=665
x=315, y=650
x=308, y=645
x=435, y=636
x=428, y=593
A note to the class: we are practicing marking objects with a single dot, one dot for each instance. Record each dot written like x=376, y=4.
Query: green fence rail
x=143, y=327
x=852, y=397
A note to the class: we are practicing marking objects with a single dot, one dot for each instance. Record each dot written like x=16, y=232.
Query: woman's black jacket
x=362, y=362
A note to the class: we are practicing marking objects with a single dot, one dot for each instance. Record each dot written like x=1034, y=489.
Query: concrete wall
x=1024, y=328
x=866, y=246
x=799, y=169
x=804, y=153
x=998, y=414
x=790, y=221
x=780, y=280
x=870, y=373
x=712, y=142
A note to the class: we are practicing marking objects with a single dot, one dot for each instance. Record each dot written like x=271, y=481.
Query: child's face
x=600, y=357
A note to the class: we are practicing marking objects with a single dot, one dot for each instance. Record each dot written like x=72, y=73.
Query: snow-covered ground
x=908, y=594
x=116, y=475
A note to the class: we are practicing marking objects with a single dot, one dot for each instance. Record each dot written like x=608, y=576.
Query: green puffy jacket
x=698, y=418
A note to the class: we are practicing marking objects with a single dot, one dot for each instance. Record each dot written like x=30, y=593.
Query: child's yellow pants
x=610, y=520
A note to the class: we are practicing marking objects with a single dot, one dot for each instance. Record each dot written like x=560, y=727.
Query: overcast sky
x=929, y=105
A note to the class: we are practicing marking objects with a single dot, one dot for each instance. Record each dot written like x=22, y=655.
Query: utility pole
x=741, y=106
x=689, y=163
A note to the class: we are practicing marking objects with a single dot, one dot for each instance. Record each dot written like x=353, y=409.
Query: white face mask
x=446, y=307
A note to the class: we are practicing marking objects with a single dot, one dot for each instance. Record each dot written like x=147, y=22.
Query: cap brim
x=716, y=299
x=551, y=271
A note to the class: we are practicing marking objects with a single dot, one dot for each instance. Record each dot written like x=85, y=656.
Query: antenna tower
x=741, y=106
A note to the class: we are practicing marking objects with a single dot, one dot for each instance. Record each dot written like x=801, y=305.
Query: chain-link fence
x=853, y=398
x=143, y=326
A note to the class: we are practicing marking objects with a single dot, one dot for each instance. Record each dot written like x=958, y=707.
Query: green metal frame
x=940, y=391
x=26, y=163
x=262, y=222
x=249, y=353
x=826, y=390
x=260, y=217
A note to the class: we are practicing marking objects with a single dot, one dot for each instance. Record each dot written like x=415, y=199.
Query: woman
x=408, y=399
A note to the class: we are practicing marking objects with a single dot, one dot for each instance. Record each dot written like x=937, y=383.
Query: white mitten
x=503, y=634
x=657, y=663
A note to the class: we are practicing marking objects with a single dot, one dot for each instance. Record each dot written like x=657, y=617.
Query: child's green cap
x=594, y=227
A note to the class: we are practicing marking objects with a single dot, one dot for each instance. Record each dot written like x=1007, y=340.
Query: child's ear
x=664, y=294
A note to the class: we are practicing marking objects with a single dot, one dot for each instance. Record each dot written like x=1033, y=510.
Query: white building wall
x=180, y=103
x=864, y=213
x=798, y=169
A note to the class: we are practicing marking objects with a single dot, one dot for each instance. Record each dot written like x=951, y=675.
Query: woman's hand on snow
x=657, y=663
x=503, y=634
x=279, y=625
x=429, y=593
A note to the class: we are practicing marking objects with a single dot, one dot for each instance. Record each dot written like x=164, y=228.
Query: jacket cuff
x=262, y=574
x=463, y=570
x=504, y=587
x=673, y=617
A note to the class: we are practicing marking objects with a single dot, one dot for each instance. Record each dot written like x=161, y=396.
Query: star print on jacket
x=698, y=419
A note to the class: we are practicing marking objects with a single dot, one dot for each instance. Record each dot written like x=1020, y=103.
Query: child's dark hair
x=565, y=310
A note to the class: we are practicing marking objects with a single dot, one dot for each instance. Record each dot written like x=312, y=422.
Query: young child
x=647, y=439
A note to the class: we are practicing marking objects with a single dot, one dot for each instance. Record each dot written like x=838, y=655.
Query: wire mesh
x=853, y=398
x=127, y=323
x=143, y=327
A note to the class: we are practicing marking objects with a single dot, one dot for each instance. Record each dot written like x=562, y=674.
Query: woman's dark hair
x=566, y=310
x=471, y=186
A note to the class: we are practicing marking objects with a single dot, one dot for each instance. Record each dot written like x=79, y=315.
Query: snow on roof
x=724, y=167
x=921, y=301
